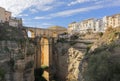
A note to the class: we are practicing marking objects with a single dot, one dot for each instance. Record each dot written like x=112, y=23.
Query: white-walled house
x=111, y=21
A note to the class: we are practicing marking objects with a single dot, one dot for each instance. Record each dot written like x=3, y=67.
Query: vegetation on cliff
x=16, y=54
x=11, y=33
x=103, y=62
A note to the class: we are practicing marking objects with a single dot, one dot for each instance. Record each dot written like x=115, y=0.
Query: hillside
x=102, y=63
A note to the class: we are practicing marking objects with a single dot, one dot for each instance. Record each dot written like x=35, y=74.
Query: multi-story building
x=95, y=25
x=5, y=16
x=82, y=27
x=111, y=21
x=99, y=26
x=87, y=25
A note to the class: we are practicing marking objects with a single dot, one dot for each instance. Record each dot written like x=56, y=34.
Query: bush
x=62, y=40
x=2, y=74
x=100, y=34
x=102, y=67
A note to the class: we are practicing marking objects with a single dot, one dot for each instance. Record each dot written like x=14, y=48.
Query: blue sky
x=46, y=13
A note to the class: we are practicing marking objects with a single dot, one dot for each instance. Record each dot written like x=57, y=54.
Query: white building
x=82, y=27
x=99, y=26
x=111, y=21
x=88, y=25
x=71, y=27
x=95, y=25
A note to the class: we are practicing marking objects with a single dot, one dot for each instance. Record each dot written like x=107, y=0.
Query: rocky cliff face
x=89, y=59
x=68, y=57
x=16, y=55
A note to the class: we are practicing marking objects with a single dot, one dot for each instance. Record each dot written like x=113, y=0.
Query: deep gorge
x=90, y=57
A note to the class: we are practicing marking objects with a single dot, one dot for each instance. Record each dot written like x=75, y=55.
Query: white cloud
x=17, y=7
x=42, y=17
x=21, y=15
x=74, y=11
x=69, y=12
x=95, y=6
x=79, y=1
x=38, y=24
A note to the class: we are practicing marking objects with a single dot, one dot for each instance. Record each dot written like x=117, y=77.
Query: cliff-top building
x=71, y=27
x=5, y=16
x=95, y=25
x=111, y=21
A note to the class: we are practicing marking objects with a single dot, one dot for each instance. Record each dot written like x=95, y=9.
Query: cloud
x=79, y=1
x=38, y=24
x=21, y=15
x=47, y=17
x=95, y=6
x=69, y=12
x=17, y=7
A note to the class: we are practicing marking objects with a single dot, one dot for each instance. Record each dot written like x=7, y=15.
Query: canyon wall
x=16, y=55
x=89, y=58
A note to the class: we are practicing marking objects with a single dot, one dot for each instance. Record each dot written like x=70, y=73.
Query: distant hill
x=57, y=28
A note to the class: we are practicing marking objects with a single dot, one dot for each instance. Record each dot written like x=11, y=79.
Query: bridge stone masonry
x=45, y=39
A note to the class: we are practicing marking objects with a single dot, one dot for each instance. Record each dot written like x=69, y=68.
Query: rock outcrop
x=16, y=56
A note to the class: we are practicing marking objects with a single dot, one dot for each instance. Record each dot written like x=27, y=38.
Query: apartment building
x=111, y=21
x=87, y=25
x=84, y=26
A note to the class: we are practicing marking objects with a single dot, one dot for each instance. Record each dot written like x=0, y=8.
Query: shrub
x=100, y=34
x=2, y=74
x=101, y=67
x=62, y=40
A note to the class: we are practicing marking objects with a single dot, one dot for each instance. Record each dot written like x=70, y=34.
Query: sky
x=46, y=13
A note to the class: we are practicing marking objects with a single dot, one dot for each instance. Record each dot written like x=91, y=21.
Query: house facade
x=111, y=21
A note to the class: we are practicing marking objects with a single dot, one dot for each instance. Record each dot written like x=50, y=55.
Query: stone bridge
x=44, y=49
